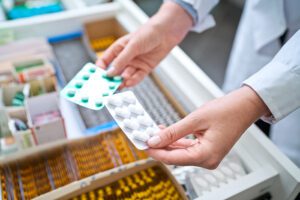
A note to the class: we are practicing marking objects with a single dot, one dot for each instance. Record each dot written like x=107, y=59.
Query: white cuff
x=207, y=23
x=278, y=86
x=199, y=11
x=203, y=8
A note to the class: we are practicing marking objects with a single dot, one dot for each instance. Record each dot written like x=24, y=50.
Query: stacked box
x=97, y=40
x=29, y=8
x=28, y=85
x=47, y=123
x=150, y=180
x=51, y=169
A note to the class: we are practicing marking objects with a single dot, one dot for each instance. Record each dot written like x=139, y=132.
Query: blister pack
x=90, y=86
x=132, y=118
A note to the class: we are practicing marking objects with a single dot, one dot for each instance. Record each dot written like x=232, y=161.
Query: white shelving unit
x=269, y=170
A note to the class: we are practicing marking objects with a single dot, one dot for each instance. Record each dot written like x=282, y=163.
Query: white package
x=132, y=118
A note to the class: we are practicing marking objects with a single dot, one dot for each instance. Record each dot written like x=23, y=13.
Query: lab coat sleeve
x=278, y=83
x=199, y=11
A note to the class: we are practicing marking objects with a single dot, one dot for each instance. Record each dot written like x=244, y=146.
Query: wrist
x=172, y=21
x=253, y=105
x=245, y=106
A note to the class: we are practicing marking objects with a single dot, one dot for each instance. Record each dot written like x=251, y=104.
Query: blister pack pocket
x=90, y=86
x=132, y=118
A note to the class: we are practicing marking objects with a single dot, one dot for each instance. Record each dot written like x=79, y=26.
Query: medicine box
x=67, y=162
x=6, y=73
x=33, y=46
x=6, y=35
x=42, y=86
x=14, y=95
x=98, y=39
x=24, y=9
x=2, y=18
x=104, y=179
x=44, y=118
x=32, y=67
x=24, y=138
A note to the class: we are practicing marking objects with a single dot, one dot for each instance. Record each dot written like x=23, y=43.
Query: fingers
x=171, y=134
x=112, y=52
x=181, y=156
x=101, y=64
x=198, y=154
x=162, y=126
x=137, y=77
x=184, y=143
x=123, y=58
x=128, y=72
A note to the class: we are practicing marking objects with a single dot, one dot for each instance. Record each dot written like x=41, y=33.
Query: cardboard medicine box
x=107, y=177
x=110, y=30
x=24, y=138
x=44, y=118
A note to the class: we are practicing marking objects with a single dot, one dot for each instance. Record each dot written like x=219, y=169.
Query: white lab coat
x=257, y=41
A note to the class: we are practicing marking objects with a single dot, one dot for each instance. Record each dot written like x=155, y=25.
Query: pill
x=105, y=94
x=86, y=77
x=219, y=175
x=123, y=113
x=136, y=109
x=131, y=124
x=84, y=99
x=237, y=168
x=211, y=179
x=107, y=77
x=201, y=182
x=129, y=99
x=151, y=131
x=78, y=85
x=117, y=78
x=145, y=121
x=111, y=87
x=92, y=69
x=71, y=93
x=227, y=171
x=98, y=103
x=138, y=135
x=205, y=192
x=115, y=101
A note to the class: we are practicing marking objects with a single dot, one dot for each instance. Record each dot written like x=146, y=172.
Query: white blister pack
x=132, y=118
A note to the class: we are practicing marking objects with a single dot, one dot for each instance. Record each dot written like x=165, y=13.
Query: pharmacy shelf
x=68, y=5
x=5, y=159
x=268, y=169
x=86, y=182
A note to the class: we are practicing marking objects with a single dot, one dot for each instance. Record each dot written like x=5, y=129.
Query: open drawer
x=269, y=171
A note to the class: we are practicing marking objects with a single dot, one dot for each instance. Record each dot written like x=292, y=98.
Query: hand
x=135, y=55
x=216, y=125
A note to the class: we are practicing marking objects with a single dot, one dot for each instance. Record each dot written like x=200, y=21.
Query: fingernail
x=154, y=141
x=111, y=70
x=100, y=64
x=129, y=83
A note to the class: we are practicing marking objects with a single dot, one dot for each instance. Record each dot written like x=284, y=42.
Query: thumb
x=171, y=134
x=123, y=59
